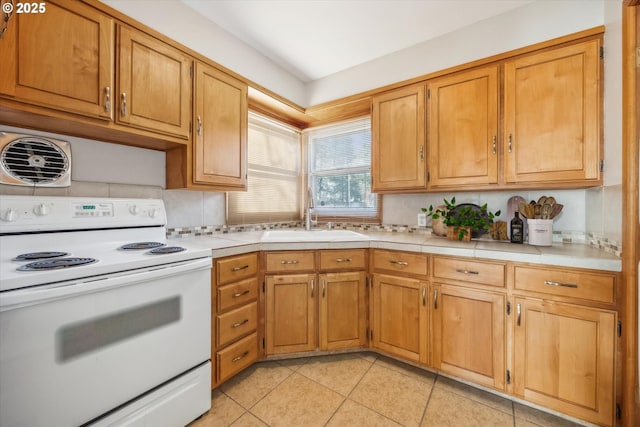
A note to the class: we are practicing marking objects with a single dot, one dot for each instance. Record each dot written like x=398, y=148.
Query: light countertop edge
x=564, y=255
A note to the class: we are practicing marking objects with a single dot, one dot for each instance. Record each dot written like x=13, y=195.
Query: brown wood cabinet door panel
x=236, y=357
x=463, y=128
x=398, y=147
x=61, y=59
x=469, y=334
x=565, y=358
x=220, y=128
x=342, y=319
x=552, y=115
x=400, y=317
x=236, y=294
x=236, y=323
x=290, y=313
x=154, y=86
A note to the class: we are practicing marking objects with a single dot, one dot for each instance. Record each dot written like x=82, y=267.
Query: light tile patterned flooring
x=359, y=390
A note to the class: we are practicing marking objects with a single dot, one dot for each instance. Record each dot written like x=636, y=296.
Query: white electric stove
x=102, y=321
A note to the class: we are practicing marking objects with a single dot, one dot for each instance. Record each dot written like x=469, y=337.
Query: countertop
x=559, y=254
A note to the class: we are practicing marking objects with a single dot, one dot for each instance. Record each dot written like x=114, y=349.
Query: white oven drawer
x=95, y=345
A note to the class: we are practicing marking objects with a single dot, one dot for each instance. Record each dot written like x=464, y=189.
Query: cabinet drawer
x=236, y=323
x=289, y=261
x=566, y=283
x=237, y=293
x=463, y=270
x=237, y=356
x=236, y=268
x=405, y=262
x=342, y=259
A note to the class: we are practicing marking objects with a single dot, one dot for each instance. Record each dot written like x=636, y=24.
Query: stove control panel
x=35, y=213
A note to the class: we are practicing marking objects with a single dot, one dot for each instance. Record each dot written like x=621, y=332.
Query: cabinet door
x=400, y=317
x=468, y=334
x=552, y=115
x=61, y=59
x=290, y=313
x=463, y=128
x=398, y=148
x=564, y=358
x=343, y=313
x=154, y=86
x=220, y=140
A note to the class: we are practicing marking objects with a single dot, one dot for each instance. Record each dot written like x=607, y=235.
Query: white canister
x=540, y=232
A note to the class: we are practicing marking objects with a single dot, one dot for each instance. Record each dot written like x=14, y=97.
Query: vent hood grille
x=35, y=161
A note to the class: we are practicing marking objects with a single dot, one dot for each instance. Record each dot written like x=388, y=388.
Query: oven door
x=71, y=352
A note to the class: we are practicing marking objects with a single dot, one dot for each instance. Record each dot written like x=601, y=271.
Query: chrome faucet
x=308, y=222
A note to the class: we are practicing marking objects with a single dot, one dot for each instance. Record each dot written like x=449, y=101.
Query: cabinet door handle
x=235, y=359
x=510, y=142
x=435, y=299
x=244, y=267
x=238, y=324
x=312, y=288
x=239, y=294
x=494, y=147
x=343, y=260
x=123, y=107
x=324, y=286
x=459, y=270
x=424, y=296
x=285, y=261
x=519, y=314
x=107, y=99
x=403, y=263
x=565, y=285
x=199, y=126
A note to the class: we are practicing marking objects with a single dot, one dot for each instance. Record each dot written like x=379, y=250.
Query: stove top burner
x=141, y=245
x=39, y=255
x=166, y=250
x=57, y=263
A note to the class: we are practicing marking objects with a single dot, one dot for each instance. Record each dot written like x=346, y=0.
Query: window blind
x=273, y=175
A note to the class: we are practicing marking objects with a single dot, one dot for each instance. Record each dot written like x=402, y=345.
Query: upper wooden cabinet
x=220, y=140
x=463, y=128
x=552, y=121
x=398, y=146
x=154, y=84
x=61, y=59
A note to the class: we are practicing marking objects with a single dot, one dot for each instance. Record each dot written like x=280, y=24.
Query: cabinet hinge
x=371, y=334
x=264, y=287
x=508, y=376
x=601, y=52
x=601, y=165
x=263, y=344
x=428, y=93
x=371, y=108
x=190, y=126
x=428, y=176
x=618, y=411
x=619, y=328
x=508, y=307
x=191, y=71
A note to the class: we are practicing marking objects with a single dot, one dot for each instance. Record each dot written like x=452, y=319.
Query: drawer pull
x=424, y=296
x=123, y=106
x=235, y=359
x=435, y=299
x=467, y=271
x=293, y=261
x=519, y=313
x=403, y=263
x=343, y=260
x=324, y=286
x=239, y=294
x=244, y=267
x=238, y=324
x=312, y=283
x=565, y=285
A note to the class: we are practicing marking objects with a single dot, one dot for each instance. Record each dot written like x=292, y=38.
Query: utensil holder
x=540, y=232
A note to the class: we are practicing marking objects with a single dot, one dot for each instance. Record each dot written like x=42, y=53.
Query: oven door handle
x=11, y=300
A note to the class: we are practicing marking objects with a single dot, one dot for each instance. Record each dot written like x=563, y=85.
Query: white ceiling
x=315, y=38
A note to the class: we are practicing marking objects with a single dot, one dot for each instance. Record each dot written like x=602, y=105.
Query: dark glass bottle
x=517, y=229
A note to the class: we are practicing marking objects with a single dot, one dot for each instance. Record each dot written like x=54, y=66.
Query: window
x=273, y=175
x=340, y=172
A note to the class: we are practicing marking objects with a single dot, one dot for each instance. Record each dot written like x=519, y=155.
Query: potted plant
x=462, y=219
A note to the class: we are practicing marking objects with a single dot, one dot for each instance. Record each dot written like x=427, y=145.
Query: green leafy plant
x=463, y=219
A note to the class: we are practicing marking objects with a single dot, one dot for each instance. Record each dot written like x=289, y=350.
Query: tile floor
x=359, y=389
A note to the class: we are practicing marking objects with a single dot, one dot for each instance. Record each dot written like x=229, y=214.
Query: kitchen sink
x=298, y=235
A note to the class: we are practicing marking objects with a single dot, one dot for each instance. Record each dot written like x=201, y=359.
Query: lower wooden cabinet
x=564, y=358
x=399, y=314
x=342, y=312
x=468, y=334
